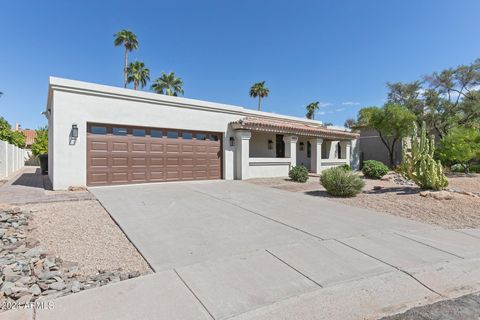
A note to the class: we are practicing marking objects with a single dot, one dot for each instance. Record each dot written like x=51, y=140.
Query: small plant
x=346, y=167
x=419, y=164
x=475, y=168
x=374, y=169
x=457, y=168
x=299, y=174
x=341, y=183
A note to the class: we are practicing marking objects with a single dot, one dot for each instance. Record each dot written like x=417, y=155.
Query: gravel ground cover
x=465, y=308
x=84, y=232
x=462, y=211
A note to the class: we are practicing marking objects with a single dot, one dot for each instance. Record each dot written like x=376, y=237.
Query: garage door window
x=99, y=130
x=201, y=136
x=213, y=137
x=156, y=133
x=138, y=132
x=172, y=134
x=119, y=131
x=187, y=135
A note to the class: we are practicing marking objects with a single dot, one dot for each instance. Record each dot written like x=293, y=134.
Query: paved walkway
x=30, y=186
x=232, y=250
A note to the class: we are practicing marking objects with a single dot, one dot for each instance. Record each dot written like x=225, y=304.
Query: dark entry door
x=280, y=146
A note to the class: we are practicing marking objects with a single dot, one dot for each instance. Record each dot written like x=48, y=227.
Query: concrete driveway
x=232, y=250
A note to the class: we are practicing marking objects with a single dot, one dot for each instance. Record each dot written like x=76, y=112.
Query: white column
x=346, y=146
x=333, y=150
x=291, y=149
x=316, y=155
x=242, y=150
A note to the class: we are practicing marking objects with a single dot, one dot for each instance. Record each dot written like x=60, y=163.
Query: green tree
x=138, y=74
x=40, y=145
x=129, y=40
x=392, y=122
x=168, y=84
x=16, y=138
x=311, y=109
x=258, y=90
x=461, y=145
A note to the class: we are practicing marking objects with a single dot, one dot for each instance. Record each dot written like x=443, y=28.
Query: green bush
x=299, y=174
x=346, y=167
x=341, y=183
x=457, y=168
x=40, y=145
x=475, y=168
x=374, y=169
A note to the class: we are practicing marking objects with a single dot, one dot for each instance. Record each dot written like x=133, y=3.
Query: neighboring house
x=29, y=135
x=102, y=135
x=371, y=147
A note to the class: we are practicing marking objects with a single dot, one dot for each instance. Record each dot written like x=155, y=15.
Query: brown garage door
x=118, y=154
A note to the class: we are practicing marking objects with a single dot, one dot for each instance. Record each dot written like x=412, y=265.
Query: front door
x=280, y=146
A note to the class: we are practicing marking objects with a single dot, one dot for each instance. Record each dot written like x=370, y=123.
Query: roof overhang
x=291, y=127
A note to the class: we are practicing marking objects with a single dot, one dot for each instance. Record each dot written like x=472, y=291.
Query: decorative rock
x=24, y=299
x=35, y=289
x=438, y=195
x=377, y=187
x=60, y=285
x=76, y=287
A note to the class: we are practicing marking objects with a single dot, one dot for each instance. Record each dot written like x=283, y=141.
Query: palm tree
x=130, y=42
x=138, y=74
x=168, y=84
x=311, y=109
x=259, y=90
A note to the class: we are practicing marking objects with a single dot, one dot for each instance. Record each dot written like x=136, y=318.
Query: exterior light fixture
x=74, y=133
x=232, y=141
x=270, y=144
x=301, y=146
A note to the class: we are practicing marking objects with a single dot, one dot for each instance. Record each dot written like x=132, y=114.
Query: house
x=30, y=135
x=101, y=135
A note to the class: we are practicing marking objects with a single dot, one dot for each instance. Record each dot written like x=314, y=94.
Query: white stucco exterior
x=74, y=102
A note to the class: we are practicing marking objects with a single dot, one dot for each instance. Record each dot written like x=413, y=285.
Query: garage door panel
x=122, y=159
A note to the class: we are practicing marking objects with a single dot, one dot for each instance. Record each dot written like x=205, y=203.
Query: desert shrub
x=346, y=167
x=40, y=145
x=374, y=169
x=475, y=168
x=457, y=168
x=341, y=183
x=299, y=173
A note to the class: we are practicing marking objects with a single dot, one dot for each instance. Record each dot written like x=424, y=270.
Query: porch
x=270, y=149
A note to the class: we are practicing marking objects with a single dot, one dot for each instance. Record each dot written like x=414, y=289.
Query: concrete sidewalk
x=231, y=250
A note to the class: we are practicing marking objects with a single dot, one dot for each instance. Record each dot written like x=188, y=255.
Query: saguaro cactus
x=419, y=164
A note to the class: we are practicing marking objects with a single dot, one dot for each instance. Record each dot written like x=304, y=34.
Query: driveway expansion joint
x=430, y=246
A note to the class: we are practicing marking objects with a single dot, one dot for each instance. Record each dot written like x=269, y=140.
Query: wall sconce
x=270, y=144
x=301, y=146
x=73, y=134
x=74, y=131
x=232, y=141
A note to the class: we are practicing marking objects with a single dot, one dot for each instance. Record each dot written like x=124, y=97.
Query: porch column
x=316, y=155
x=346, y=146
x=242, y=150
x=291, y=149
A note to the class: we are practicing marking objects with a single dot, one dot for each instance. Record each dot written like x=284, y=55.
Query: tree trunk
x=125, y=73
x=135, y=85
x=259, y=102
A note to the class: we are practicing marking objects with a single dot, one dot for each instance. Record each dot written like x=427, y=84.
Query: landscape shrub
x=374, y=169
x=299, y=174
x=346, y=167
x=475, y=168
x=457, y=168
x=341, y=183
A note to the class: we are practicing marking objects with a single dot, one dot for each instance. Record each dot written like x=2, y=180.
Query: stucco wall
x=302, y=154
x=259, y=145
x=371, y=147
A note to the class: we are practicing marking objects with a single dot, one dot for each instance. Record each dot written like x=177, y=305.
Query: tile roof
x=286, y=126
x=29, y=136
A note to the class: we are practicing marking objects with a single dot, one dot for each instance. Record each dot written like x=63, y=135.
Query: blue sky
x=338, y=52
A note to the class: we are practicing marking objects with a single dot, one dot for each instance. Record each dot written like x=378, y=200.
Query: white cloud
x=340, y=109
x=321, y=113
x=325, y=104
x=350, y=103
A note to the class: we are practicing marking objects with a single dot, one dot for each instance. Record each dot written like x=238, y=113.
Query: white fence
x=12, y=159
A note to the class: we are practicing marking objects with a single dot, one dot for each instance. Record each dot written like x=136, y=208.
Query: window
x=138, y=132
x=156, y=133
x=99, y=130
x=201, y=136
x=309, y=149
x=119, y=131
x=187, y=135
x=213, y=137
x=280, y=146
x=172, y=134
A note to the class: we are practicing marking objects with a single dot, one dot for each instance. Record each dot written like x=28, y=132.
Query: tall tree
x=138, y=74
x=258, y=90
x=311, y=109
x=392, y=122
x=168, y=84
x=129, y=40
